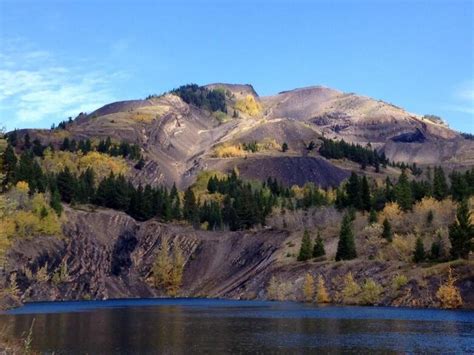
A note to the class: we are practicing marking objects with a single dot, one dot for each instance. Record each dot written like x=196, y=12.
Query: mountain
x=69, y=229
x=179, y=139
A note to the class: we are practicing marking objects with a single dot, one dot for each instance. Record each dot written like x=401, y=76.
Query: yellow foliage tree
x=308, y=288
x=273, y=292
x=248, y=105
x=448, y=294
x=322, y=295
x=351, y=289
x=167, y=271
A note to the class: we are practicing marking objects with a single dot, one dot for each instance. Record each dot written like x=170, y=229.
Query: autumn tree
x=322, y=295
x=448, y=294
x=308, y=288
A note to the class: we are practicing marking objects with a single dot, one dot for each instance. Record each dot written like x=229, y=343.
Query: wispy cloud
x=36, y=87
x=463, y=98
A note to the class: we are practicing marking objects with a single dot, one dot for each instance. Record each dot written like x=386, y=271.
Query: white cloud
x=35, y=87
x=463, y=98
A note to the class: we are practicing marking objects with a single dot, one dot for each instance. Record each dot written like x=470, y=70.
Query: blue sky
x=58, y=58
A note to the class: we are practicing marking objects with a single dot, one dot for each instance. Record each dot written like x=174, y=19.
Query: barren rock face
x=109, y=255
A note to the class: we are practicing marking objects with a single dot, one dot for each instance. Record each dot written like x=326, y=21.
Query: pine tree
x=318, y=249
x=440, y=186
x=55, y=202
x=365, y=194
x=346, y=249
x=9, y=165
x=373, y=216
x=175, y=203
x=305, y=249
x=353, y=191
x=387, y=230
x=419, y=252
x=284, y=147
x=190, y=208
x=403, y=193
x=461, y=232
x=66, y=184
x=212, y=185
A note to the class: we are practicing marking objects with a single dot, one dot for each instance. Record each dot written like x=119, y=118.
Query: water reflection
x=203, y=326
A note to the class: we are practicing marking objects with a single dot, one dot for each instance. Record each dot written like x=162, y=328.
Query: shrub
x=371, y=291
x=399, y=281
x=228, y=151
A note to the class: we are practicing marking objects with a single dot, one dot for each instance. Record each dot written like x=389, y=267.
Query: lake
x=177, y=326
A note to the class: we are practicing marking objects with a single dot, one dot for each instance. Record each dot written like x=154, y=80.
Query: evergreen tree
x=461, y=232
x=9, y=165
x=190, y=208
x=284, y=147
x=419, y=252
x=305, y=249
x=346, y=249
x=66, y=145
x=55, y=202
x=318, y=249
x=66, y=184
x=365, y=191
x=372, y=216
x=436, y=248
x=212, y=184
x=440, y=186
x=403, y=193
x=175, y=203
x=387, y=230
x=353, y=191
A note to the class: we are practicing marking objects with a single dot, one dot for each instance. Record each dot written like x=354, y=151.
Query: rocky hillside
x=179, y=139
x=109, y=255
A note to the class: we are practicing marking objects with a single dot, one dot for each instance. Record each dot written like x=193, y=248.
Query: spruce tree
x=190, y=208
x=373, y=216
x=55, y=202
x=419, y=252
x=318, y=249
x=387, y=230
x=66, y=184
x=305, y=249
x=353, y=191
x=403, y=193
x=212, y=184
x=9, y=165
x=365, y=194
x=440, y=186
x=346, y=249
x=461, y=232
x=284, y=147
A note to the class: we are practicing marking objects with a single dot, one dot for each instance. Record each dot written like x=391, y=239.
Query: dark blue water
x=177, y=326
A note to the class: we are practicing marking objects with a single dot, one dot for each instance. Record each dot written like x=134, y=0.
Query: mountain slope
x=178, y=139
